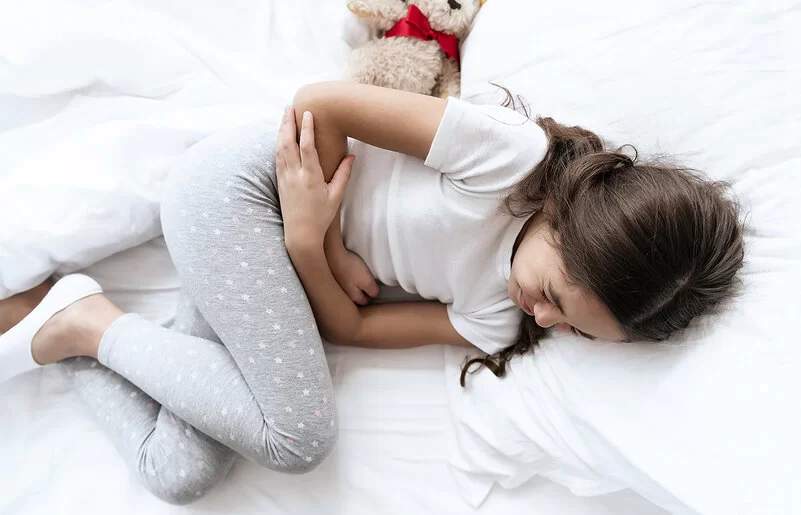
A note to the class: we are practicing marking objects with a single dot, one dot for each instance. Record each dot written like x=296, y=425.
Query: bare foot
x=14, y=309
x=75, y=330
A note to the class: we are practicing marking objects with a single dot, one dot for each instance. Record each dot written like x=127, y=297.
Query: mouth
x=522, y=303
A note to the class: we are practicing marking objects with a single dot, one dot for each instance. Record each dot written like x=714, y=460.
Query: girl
x=505, y=224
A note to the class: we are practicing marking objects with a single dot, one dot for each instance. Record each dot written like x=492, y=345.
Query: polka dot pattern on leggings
x=228, y=248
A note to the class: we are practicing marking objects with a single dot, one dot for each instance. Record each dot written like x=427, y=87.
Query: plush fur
x=406, y=63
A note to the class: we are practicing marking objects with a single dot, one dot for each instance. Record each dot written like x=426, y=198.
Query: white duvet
x=97, y=98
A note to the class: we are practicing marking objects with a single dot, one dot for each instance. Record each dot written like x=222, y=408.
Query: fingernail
x=286, y=110
x=307, y=115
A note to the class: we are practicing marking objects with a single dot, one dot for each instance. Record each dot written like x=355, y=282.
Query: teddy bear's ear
x=360, y=8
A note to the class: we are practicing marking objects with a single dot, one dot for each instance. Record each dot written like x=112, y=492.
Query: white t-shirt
x=435, y=228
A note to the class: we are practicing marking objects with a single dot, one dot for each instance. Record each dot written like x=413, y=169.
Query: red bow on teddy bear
x=415, y=25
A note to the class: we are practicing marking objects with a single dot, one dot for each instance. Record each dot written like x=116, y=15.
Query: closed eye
x=542, y=293
x=549, y=301
x=572, y=329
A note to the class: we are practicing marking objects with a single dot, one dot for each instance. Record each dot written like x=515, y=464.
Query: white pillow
x=710, y=422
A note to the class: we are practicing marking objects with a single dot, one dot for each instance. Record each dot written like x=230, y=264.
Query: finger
x=336, y=188
x=356, y=295
x=372, y=289
x=280, y=162
x=361, y=299
x=308, y=152
x=287, y=146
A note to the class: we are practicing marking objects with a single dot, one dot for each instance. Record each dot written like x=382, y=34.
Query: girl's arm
x=391, y=119
x=405, y=324
x=386, y=118
x=397, y=325
x=308, y=206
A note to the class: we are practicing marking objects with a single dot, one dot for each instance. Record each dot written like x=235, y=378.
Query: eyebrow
x=558, y=305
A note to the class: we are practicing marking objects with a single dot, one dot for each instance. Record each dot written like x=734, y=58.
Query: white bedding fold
x=97, y=99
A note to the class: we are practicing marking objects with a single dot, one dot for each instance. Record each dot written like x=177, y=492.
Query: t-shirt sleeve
x=491, y=331
x=485, y=148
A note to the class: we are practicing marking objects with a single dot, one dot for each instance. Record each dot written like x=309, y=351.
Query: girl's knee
x=302, y=456
x=319, y=448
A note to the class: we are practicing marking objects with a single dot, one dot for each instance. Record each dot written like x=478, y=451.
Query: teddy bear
x=415, y=44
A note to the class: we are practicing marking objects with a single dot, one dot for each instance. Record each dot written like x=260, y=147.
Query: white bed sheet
x=390, y=458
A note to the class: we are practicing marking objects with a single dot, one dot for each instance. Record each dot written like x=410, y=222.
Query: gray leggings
x=244, y=368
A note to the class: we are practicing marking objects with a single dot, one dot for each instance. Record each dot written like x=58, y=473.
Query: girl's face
x=540, y=288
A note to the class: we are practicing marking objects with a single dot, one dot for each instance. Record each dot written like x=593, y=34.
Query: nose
x=545, y=314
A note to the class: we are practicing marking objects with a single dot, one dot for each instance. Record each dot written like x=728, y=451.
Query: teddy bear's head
x=451, y=16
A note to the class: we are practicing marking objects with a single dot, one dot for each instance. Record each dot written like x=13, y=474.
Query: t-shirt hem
x=467, y=332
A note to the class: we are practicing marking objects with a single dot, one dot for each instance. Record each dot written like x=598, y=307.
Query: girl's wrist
x=303, y=246
x=334, y=246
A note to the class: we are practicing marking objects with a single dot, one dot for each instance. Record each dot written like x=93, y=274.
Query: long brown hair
x=657, y=243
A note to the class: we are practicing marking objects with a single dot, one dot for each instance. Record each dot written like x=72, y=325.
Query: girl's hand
x=308, y=203
x=353, y=275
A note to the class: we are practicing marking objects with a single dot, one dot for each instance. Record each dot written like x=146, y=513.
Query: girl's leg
x=267, y=392
x=173, y=460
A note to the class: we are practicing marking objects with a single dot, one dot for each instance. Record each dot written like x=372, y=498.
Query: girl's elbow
x=348, y=335
x=313, y=97
x=342, y=338
x=305, y=97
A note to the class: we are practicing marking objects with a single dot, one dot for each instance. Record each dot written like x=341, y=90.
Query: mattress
x=390, y=458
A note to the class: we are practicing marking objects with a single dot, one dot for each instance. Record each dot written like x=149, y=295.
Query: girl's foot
x=74, y=331
x=69, y=321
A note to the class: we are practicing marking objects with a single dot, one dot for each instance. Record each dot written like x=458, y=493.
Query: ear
x=360, y=8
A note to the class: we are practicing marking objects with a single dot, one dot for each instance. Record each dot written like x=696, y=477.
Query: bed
x=391, y=456
x=97, y=98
